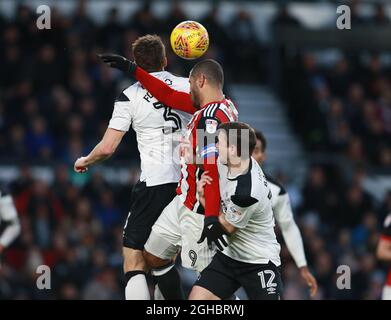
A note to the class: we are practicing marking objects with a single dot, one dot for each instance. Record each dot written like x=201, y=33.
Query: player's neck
x=238, y=167
x=211, y=95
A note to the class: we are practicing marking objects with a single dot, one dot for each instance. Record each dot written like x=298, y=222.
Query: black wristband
x=210, y=219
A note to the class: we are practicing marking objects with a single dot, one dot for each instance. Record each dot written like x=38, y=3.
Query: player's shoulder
x=275, y=184
x=209, y=111
x=206, y=119
x=260, y=186
x=129, y=93
x=222, y=111
x=4, y=191
x=174, y=76
x=247, y=192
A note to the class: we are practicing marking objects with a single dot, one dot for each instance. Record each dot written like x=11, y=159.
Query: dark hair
x=261, y=137
x=149, y=52
x=239, y=126
x=211, y=69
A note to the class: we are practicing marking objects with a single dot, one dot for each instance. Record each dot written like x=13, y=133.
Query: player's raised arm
x=206, y=144
x=161, y=91
x=102, y=151
x=118, y=126
x=164, y=93
x=207, y=155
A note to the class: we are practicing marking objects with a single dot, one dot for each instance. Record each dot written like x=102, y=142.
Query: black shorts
x=224, y=275
x=147, y=203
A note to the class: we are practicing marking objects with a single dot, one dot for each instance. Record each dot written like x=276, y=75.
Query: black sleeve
x=122, y=97
x=243, y=201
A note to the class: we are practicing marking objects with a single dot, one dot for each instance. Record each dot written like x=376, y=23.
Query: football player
x=283, y=214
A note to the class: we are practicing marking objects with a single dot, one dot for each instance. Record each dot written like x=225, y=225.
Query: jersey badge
x=211, y=125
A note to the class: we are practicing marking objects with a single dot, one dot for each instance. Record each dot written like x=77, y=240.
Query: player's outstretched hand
x=80, y=165
x=309, y=280
x=118, y=62
x=214, y=233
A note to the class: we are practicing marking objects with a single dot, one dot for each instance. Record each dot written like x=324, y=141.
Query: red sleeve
x=212, y=191
x=161, y=91
x=385, y=238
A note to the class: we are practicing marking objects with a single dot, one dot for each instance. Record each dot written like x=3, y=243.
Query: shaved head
x=211, y=70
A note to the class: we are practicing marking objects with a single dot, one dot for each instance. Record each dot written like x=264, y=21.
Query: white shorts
x=386, y=293
x=180, y=228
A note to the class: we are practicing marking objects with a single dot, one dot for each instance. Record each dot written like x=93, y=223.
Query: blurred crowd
x=55, y=103
x=347, y=107
x=340, y=224
x=340, y=106
x=77, y=231
x=56, y=98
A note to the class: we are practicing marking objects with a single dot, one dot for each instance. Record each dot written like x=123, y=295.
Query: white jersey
x=246, y=203
x=9, y=217
x=283, y=214
x=158, y=129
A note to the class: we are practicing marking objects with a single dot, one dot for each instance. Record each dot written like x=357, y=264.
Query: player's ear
x=232, y=149
x=165, y=62
x=202, y=80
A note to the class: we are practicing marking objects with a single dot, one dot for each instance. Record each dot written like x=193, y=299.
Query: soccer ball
x=189, y=40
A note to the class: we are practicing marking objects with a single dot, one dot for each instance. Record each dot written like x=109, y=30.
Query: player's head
x=236, y=142
x=205, y=77
x=149, y=53
x=259, y=153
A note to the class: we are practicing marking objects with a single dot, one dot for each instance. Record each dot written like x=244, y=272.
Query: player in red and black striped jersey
x=210, y=109
x=220, y=110
x=206, y=121
x=207, y=116
x=384, y=254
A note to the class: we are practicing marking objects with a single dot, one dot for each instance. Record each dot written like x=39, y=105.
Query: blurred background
x=322, y=97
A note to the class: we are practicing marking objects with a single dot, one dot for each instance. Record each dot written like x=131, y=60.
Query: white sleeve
x=240, y=216
x=290, y=231
x=9, y=215
x=122, y=115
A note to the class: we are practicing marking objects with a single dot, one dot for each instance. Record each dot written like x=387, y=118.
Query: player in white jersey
x=9, y=221
x=158, y=131
x=284, y=216
x=251, y=259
